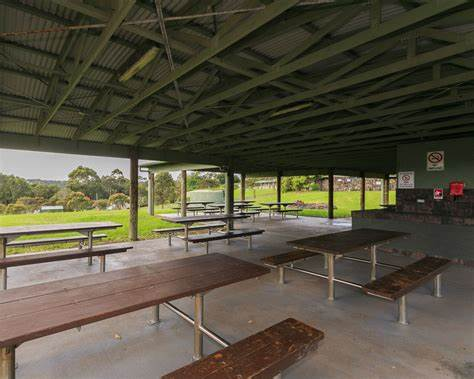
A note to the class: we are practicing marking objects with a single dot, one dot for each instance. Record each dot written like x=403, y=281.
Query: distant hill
x=59, y=183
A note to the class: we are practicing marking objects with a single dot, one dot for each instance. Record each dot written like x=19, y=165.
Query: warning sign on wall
x=406, y=179
x=435, y=160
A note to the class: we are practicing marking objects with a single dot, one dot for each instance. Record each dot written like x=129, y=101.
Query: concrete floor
x=362, y=339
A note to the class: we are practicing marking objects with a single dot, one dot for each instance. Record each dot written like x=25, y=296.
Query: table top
x=345, y=242
x=200, y=218
x=271, y=204
x=11, y=231
x=244, y=201
x=35, y=311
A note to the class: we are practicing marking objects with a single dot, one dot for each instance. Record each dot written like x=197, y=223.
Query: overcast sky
x=38, y=165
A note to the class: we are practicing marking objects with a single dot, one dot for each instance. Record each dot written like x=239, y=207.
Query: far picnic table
x=187, y=221
x=40, y=310
x=341, y=244
x=10, y=233
x=276, y=204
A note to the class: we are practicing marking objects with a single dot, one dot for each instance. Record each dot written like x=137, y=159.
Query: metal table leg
x=7, y=368
x=198, y=320
x=3, y=271
x=281, y=275
x=402, y=311
x=330, y=277
x=437, y=286
x=156, y=315
x=373, y=262
x=89, y=245
x=186, y=234
x=102, y=263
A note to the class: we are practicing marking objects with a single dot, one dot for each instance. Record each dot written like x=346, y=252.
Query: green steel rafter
x=391, y=26
x=263, y=140
x=218, y=44
x=406, y=64
x=346, y=128
x=115, y=20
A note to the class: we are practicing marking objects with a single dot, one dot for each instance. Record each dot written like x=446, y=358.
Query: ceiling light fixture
x=139, y=64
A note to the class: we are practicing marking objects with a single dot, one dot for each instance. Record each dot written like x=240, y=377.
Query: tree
x=77, y=201
x=85, y=180
x=31, y=203
x=101, y=204
x=115, y=183
x=15, y=209
x=119, y=200
x=46, y=191
x=12, y=188
x=3, y=207
x=165, y=188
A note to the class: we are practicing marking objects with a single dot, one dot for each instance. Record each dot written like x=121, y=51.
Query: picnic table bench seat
x=285, y=211
x=235, y=233
x=263, y=355
x=397, y=284
x=179, y=229
x=279, y=261
x=62, y=255
x=51, y=240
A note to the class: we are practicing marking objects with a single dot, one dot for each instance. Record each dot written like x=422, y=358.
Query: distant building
x=51, y=208
x=265, y=183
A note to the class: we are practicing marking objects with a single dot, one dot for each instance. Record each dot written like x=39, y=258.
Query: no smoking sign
x=435, y=160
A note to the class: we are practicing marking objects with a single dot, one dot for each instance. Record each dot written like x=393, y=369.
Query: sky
x=53, y=166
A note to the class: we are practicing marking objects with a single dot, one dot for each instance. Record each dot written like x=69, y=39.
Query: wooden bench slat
x=47, y=241
x=237, y=233
x=60, y=255
x=401, y=282
x=291, y=256
x=262, y=355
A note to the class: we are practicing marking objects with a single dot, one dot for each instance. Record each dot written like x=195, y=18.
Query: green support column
x=133, y=227
x=229, y=192
x=151, y=193
x=242, y=186
x=362, y=191
x=278, y=189
x=331, y=195
x=386, y=189
x=183, y=193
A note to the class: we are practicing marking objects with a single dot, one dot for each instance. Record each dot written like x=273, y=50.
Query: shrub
x=3, y=207
x=15, y=209
x=77, y=201
x=101, y=204
x=119, y=200
x=31, y=203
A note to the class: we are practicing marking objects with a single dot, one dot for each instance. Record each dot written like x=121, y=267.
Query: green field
x=344, y=202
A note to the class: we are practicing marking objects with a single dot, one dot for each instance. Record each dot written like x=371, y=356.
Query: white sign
x=435, y=160
x=406, y=179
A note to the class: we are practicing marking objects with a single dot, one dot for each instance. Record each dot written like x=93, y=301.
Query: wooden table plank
x=10, y=231
x=201, y=218
x=120, y=294
x=346, y=242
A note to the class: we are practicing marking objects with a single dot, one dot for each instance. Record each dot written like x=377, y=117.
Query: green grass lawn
x=344, y=201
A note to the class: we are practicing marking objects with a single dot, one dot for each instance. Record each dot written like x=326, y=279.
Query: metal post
x=281, y=275
x=186, y=235
x=331, y=195
x=133, y=227
x=183, y=194
x=151, y=193
x=229, y=195
x=362, y=191
x=90, y=239
x=325, y=261
x=373, y=262
x=330, y=277
x=3, y=271
x=169, y=239
x=278, y=189
x=402, y=311
x=250, y=242
x=156, y=315
x=102, y=263
x=242, y=186
x=437, y=286
x=386, y=189
x=207, y=247
x=198, y=320
x=7, y=362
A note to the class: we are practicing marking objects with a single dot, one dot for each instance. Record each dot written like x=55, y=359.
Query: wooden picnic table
x=31, y=312
x=276, y=204
x=189, y=220
x=10, y=233
x=341, y=244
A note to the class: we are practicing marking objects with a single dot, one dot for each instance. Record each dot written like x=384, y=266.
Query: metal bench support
x=155, y=319
x=281, y=275
x=402, y=310
x=89, y=245
x=169, y=239
x=102, y=263
x=330, y=277
x=250, y=242
x=198, y=319
x=7, y=362
x=437, y=286
x=373, y=262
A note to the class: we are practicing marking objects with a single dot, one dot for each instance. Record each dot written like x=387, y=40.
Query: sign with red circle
x=435, y=160
x=438, y=194
x=406, y=179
